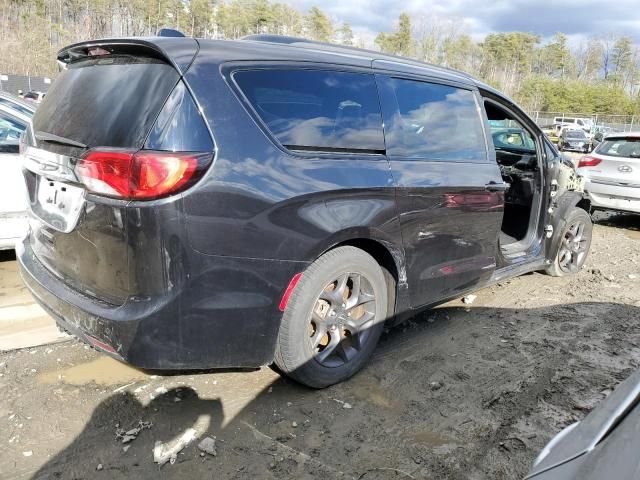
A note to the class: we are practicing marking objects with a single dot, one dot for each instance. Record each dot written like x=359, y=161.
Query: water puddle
x=103, y=370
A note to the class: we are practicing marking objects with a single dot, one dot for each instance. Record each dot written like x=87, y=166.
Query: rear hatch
x=81, y=152
x=617, y=162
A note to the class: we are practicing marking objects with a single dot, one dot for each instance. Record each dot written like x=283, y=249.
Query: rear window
x=109, y=101
x=620, y=147
x=576, y=134
x=435, y=122
x=18, y=107
x=316, y=109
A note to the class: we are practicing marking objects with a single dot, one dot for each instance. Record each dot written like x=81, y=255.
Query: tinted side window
x=316, y=109
x=180, y=126
x=435, y=122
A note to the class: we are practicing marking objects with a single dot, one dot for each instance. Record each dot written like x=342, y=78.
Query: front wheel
x=333, y=319
x=574, y=244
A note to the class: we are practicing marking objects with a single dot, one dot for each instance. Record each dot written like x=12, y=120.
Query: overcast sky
x=576, y=18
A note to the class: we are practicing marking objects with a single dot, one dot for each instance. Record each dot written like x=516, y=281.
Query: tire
x=574, y=243
x=315, y=345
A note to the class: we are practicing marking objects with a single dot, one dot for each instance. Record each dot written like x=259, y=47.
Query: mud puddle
x=102, y=371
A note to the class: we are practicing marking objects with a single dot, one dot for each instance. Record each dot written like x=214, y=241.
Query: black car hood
x=611, y=418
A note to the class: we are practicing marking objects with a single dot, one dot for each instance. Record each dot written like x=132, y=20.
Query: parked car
x=599, y=133
x=34, y=96
x=13, y=195
x=573, y=139
x=583, y=123
x=612, y=173
x=16, y=103
x=603, y=445
x=209, y=203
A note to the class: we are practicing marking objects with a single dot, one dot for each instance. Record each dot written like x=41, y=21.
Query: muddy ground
x=462, y=392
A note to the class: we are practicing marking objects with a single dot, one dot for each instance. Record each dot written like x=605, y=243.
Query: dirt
x=461, y=392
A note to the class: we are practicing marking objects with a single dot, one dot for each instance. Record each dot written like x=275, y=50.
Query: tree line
x=600, y=75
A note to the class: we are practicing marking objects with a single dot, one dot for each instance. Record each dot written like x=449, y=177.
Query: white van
x=582, y=122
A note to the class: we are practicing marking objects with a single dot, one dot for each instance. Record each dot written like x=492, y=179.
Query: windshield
x=620, y=147
x=575, y=134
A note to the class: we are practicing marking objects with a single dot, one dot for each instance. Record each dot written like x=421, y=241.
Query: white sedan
x=612, y=173
x=13, y=194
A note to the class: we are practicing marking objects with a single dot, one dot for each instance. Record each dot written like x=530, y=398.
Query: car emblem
x=625, y=168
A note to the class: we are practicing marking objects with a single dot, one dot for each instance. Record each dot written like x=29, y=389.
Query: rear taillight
x=588, y=162
x=140, y=175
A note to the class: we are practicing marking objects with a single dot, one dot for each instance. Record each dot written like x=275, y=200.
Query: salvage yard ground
x=462, y=392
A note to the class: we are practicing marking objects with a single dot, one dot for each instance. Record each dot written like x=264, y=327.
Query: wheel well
x=584, y=204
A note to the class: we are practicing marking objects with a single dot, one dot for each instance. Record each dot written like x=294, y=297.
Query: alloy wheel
x=573, y=249
x=342, y=315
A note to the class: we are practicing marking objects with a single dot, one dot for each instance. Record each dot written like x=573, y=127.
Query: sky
x=578, y=19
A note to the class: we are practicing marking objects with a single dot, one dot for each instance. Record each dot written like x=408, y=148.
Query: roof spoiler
x=177, y=51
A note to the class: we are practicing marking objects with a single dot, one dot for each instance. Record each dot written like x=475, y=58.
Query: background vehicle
x=13, y=196
x=34, y=96
x=612, y=173
x=310, y=228
x=16, y=103
x=573, y=139
x=583, y=123
x=603, y=445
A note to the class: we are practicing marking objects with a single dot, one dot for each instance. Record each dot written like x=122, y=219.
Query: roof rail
x=303, y=42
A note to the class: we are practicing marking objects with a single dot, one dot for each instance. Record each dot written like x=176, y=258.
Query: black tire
x=574, y=244
x=316, y=306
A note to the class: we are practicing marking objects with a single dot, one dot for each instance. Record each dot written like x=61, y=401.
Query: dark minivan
x=204, y=203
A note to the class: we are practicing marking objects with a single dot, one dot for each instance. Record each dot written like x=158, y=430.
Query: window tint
x=109, y=101
x=10, y=131
x=620, y=147
x=316, y=109
x=180, y=126
x=436, y=122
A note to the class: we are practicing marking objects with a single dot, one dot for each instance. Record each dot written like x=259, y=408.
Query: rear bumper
x=613, y=197
x=227, y=316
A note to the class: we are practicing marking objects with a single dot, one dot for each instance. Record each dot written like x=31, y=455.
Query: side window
x=513, y=141
x=433, y=121
x=10, y=131
x=316, y=109
x=180, y=126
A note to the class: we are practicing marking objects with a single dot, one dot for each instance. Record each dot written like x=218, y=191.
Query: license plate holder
x=58, y=204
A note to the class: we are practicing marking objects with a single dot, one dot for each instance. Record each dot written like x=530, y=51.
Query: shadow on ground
x=452, y=393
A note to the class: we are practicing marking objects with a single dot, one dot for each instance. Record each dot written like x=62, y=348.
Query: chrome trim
x=49, y=164
x=614, y=183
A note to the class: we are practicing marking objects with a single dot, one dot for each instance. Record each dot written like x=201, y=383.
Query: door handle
x=495, y=187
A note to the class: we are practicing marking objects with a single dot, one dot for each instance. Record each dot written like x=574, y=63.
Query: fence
x=622, y=123
x=15, y=83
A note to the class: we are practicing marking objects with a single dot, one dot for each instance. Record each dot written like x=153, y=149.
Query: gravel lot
x=464, y=391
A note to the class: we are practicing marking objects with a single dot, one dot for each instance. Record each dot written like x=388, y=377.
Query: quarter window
x=435, y=122
x=316, y=109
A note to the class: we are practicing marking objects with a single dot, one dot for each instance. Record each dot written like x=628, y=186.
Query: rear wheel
x=574, y=244
x=333, y=319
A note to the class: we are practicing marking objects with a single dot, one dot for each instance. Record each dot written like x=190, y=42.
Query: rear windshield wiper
x=50, y=137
